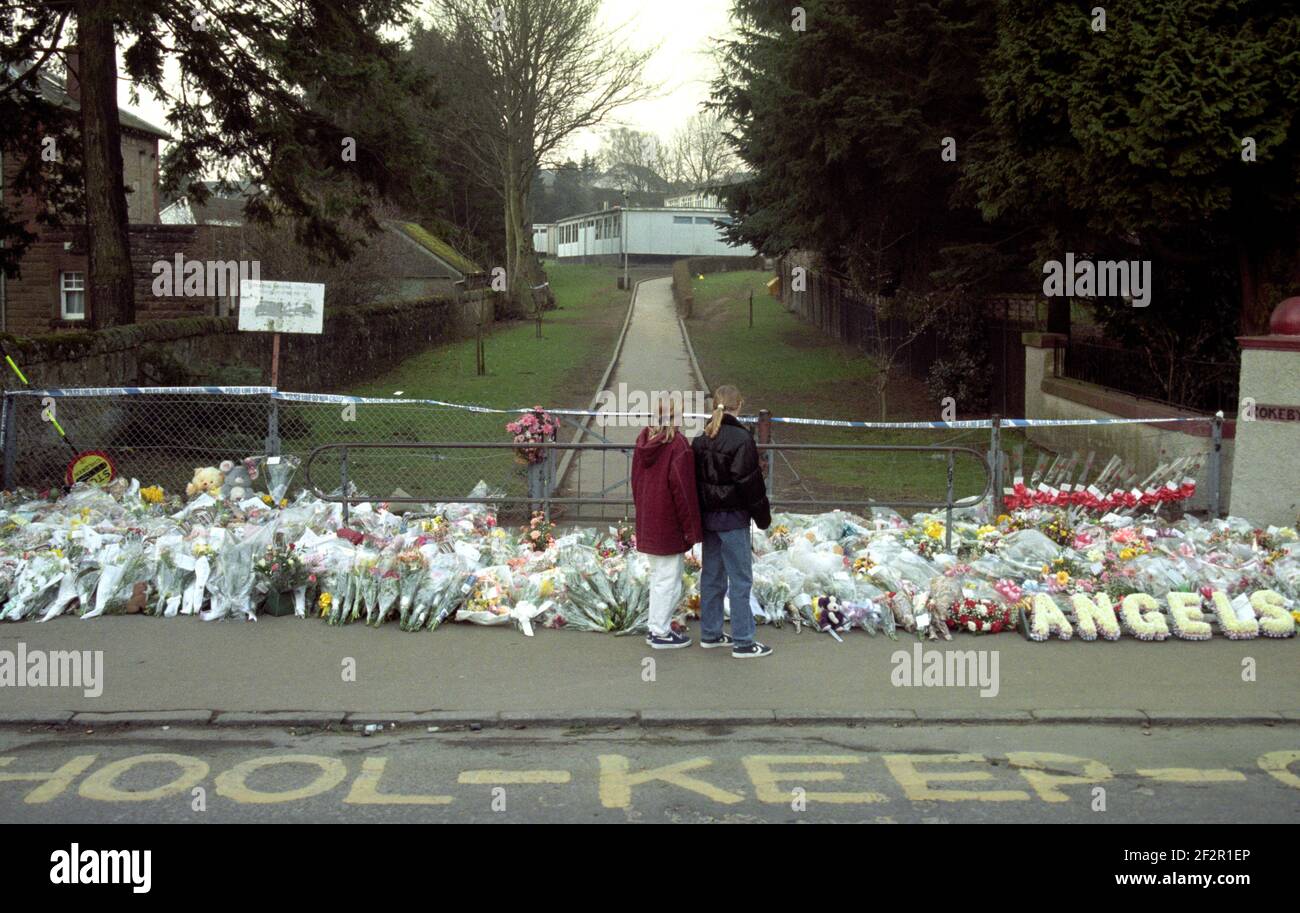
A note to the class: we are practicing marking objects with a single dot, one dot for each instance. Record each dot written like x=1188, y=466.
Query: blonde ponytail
x=725, y=399
x=665, y=429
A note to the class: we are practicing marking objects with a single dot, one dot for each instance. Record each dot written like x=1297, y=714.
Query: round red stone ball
x=1286, y=318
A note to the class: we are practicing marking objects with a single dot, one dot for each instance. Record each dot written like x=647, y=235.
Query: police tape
x=340, y=399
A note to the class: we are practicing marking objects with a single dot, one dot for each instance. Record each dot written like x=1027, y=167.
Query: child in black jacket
x=732, y=494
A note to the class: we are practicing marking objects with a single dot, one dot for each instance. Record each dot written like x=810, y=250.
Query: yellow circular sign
x=93, y=466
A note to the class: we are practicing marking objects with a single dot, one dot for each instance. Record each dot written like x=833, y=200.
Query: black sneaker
x=752, y=651
x=723, y=641
x=672, y=641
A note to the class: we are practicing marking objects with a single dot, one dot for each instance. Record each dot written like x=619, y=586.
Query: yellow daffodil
x=1127, y=554
x=985, y=530
x=325, y=601
x=1062, y=578
x=934, y=529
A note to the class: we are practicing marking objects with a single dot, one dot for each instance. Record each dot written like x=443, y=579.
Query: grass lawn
x=792, y=369
x=559, y=370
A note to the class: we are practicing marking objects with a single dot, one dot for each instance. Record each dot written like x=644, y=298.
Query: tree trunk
x=110, y=287
x=526, y=272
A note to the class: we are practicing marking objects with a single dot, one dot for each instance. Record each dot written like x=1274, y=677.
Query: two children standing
x=706, y=491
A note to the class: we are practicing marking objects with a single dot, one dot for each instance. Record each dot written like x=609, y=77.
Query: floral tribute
x=1046, y=572
x=537, y=426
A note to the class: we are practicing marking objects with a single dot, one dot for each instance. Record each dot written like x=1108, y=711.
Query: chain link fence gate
x=160, y=434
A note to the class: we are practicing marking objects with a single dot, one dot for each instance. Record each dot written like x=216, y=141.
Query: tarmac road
x=874, y=774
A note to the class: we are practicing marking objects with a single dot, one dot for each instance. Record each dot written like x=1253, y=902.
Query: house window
x=72, y=295
x=681, y=220
x=702, y=220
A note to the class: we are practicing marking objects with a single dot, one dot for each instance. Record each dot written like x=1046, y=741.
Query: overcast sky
x=679, y=72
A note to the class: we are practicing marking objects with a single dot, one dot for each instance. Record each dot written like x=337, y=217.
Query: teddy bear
x=206, y=479
x=944, y=593
x=238, y=483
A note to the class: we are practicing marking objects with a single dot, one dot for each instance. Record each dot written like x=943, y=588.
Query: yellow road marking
x=765, y=779
x=916, y=785
x=231, y=783
x=525, y=777
x=1031, y=765
x=52, y=783
x=1191, y=775
x=365, y=789
x=101, y=785
x=616, y=780
x=1278, y=764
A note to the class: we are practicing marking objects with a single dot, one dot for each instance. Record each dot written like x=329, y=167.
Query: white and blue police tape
x=335, y=398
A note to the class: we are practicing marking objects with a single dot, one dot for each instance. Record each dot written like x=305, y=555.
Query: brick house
x=49, y=294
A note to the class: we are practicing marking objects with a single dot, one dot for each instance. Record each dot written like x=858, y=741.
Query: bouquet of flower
x=87, y=581
x=281, y=569
x=277, y=472
x=533, y=427
x=539, y=535
x=36, y=584
x=629, y=578
x=231, y=587
x=171, y=580
x=776, y=584
x=125, y=565
x=449, y=582
x=73, y=554
x=588, y=600
x=413, y=574
x=388, y=593
x=620, y=541
x=981, y=616
x=488, y=600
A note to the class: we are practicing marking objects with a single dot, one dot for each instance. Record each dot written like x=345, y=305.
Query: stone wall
x=1266, y=476
x=357, y=343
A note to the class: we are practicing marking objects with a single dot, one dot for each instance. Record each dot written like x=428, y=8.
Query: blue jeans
x=726, y=570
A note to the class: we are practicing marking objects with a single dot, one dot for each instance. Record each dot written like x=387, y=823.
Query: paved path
x=288, y=664
x=654, y=359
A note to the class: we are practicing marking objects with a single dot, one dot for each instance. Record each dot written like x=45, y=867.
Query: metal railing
x=1198, y=385
x=542, y=496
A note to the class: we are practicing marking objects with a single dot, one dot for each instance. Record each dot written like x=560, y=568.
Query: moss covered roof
x=439, y=248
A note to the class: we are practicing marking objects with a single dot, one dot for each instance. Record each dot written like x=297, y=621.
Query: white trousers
x=665, y=591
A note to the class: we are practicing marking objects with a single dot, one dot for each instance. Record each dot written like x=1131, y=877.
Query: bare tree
x=634, y=155
x=701, y=154
x=528, y=75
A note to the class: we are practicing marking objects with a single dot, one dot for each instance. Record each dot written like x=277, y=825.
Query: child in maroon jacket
x=667, y=518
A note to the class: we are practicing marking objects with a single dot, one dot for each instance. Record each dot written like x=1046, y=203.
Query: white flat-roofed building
x=544, y=238
x=645, y=234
